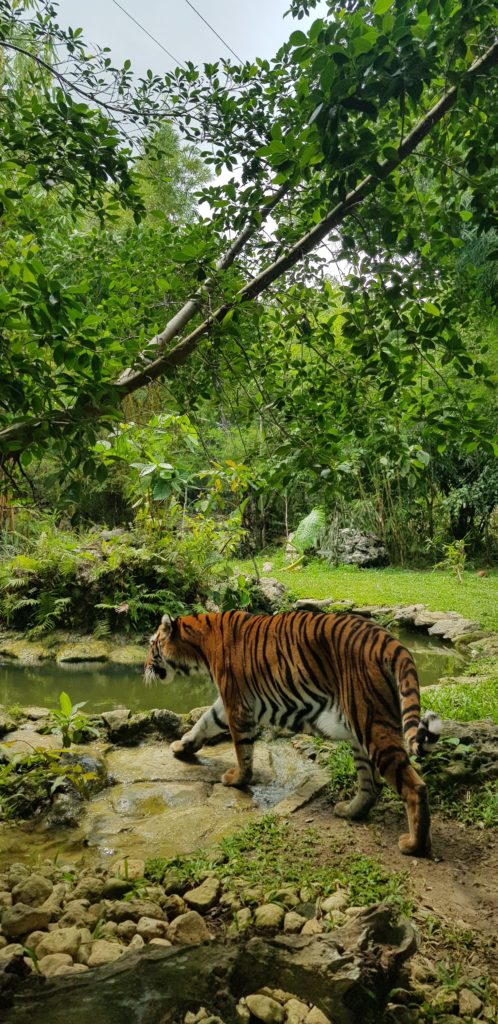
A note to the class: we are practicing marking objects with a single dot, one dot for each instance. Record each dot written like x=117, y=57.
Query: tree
x=339, y=132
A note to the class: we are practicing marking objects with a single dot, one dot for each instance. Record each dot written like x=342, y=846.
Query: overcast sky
x=252, y=28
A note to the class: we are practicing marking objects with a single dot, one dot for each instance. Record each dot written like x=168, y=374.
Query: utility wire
x=179, y=63
x=201, y=16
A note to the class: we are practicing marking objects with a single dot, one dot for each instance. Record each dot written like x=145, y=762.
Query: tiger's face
x=166, y=655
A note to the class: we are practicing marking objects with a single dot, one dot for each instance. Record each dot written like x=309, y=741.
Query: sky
x=252, y=28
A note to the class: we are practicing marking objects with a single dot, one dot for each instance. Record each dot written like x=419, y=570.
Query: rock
x=150, y=928
x=296, y=1011
x=188, y=930
x=104, y=952
x=312, y=927
x=11, y=950
x=468, y=1004
x=269, y=916
x=21, y=919
x=174, y=905
x=127, y=929
x=6, y=724
x=52, y=961
x=133, y=910
x=62, y=940
x=129, y=868
x=114, y=888
x=138, y=942
x=287, y=897
x=115, y=719
x=293, y=922
x=315, y=1016
x=450, y=627
x=265, y=1009
x=352, y=547
x=70, y=969
x=65, y=811
x=89, y=888
x=168, y=724
x=253, y=895
x=6, y=899
x=54, y=902
x=204, y=896
x=243, y=918
x=160, y=942
x=83, y=650
x=337, y=901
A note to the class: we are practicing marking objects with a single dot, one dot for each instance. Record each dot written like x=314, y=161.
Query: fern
x=308, y=530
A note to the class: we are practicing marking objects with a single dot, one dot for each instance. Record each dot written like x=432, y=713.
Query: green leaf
x=431, y=308
x=381, y=6
x=298, y=38
x=65, y=703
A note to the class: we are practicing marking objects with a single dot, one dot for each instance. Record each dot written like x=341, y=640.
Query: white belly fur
x=328, y=723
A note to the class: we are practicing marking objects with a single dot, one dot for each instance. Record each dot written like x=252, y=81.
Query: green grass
x=475, y=597
x=467, y=702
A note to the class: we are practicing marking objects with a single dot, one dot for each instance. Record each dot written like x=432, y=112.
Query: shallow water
x=104, y=686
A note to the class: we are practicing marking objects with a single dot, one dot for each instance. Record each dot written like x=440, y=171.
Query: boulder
x=352, y=547
x=268, y=594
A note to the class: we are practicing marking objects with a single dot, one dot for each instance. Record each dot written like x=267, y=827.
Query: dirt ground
x=458, y=886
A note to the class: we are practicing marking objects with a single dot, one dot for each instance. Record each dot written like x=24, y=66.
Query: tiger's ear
x=167, y=625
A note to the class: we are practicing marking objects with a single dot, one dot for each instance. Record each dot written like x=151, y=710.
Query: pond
x=104, y=686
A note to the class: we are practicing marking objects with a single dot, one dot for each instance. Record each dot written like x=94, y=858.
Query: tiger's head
x=169, y=652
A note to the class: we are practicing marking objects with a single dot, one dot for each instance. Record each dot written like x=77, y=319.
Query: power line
x=179, y=63
x=201, y=16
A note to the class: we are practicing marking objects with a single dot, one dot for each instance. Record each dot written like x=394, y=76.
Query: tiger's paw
x=182, y=750
x=232, y=777
x=349, y=809
x=411, y=848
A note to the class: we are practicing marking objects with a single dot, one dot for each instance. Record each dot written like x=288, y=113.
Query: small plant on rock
x=71, y=722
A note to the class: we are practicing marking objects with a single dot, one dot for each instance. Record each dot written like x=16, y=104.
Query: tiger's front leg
x=243, y=735
x=212, y=723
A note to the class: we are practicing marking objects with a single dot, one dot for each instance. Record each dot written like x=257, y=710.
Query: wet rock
x=469, y=1005
x=128, y=654
x=204, y=896
x=188, y=930
x=50, y=963
x=33, y=890
x=21, y=919
x=66, y=810
x=269, y=916
x=62, y=940
x=104, y=952
x=265, y=1009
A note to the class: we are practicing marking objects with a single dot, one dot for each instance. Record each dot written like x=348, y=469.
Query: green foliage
x=467, y=702
x=28, y=782
x=71, y=722
x=455, y=558
x=308, y=530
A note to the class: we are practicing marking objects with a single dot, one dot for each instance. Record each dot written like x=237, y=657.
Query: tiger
x=337, y=676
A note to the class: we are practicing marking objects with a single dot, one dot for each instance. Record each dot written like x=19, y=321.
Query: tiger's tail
x=418, y=730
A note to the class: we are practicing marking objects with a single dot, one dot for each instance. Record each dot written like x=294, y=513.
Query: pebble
x=270, y=915
x=469, y=1005
x=48, y=964
x=150, y=928
x=243, y=918
x=204, y=896
x=312, y=927
x=61, y=940
x=188, y=930
x=337, y=901
x=104, y=952
x=160, y=942
x=127, y=929
x=293, y=922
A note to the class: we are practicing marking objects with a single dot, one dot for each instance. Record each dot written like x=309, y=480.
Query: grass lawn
x=475, y=597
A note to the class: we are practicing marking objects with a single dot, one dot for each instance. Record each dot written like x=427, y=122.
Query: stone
x=160, y=942
x=62, y=940
x=32, y=891
x=84, y=650
x=296, y=1011
x=115, y=719
x=451, y=627
x=21, y=919
x=53, y=904
x=6, y=899
x=265, y=1009
x=204, y=896
x=293, y=922
x=352, y=547
x=52, y=961
x=33, y=939
x=89, y=888
x=269, y=916
x=69, y=969
x=114, y=888
x=315, y=1016
x=243, y=918
x=312, y=927
x=188, y=930
x=127, y=929
x=469, y=1005
x=150, y=928
x=16, y=873
x=133, y=910
x=10, y=950
x=104, y=952
x=129, y=868
x=6, y=724
x=287, y=897
x=175, y=905
x=138, y=942
x=253, y=895
x=337, y=901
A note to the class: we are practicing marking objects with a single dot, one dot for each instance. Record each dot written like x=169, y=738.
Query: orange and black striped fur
x=337, y=676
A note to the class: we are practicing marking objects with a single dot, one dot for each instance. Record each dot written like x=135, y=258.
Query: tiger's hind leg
x=394, y=765
x=212, y=723
x=368, y=788
x=243, y=735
